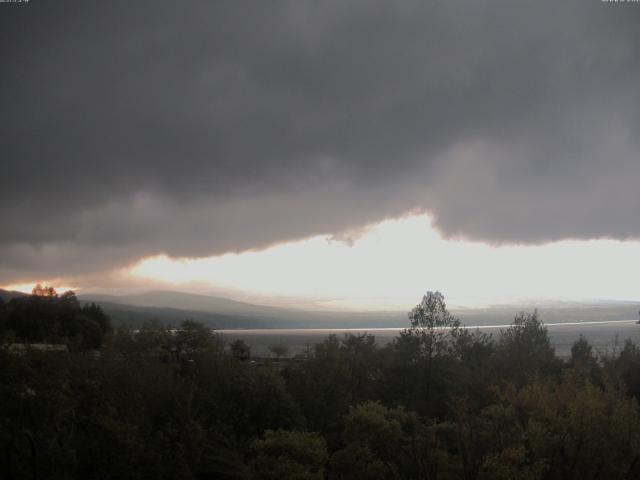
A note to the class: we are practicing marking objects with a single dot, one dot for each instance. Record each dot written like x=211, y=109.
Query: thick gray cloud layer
x=195, y=128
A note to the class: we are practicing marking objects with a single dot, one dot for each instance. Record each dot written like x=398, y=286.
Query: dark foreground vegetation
x=436, y=403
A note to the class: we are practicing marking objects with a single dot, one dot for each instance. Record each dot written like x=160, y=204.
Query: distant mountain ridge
x=234, y=314
x=185, y=301
x=7, y=295
x=226, y=313
x=134, y=316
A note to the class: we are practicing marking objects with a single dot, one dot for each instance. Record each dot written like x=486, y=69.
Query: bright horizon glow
x=394, y=263
x=28, y=287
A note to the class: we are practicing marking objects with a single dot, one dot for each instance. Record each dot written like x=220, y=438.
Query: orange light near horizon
x=28, y=287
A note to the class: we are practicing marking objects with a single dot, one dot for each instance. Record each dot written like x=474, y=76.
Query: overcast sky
x=199, y=128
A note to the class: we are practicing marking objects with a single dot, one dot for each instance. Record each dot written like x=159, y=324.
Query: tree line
x=45, y=317
x=438, y=402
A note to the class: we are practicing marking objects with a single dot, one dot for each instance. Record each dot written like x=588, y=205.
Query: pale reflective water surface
x=605, y=336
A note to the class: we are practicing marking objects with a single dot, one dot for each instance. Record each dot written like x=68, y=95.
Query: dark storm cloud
x=194, y=128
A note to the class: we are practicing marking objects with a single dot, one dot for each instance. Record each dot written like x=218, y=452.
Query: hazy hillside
x=7, y=295
x=185, y=301
x=173, y=307
x=134, y=316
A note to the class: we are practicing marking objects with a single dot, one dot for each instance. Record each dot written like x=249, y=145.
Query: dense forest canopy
x=439, y=402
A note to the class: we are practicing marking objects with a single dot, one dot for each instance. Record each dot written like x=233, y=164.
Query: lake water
x=605, y=336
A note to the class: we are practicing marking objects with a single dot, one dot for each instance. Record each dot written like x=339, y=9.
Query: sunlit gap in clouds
x=395, y=262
